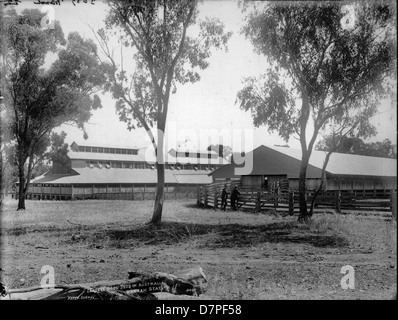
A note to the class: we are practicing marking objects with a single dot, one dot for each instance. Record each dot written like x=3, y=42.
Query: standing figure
x=224, y=196
x=234, y=198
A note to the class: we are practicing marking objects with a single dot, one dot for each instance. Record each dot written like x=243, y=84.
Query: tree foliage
x=321, y=71
x=164, y=55
x=50, y=148
x=40, y=98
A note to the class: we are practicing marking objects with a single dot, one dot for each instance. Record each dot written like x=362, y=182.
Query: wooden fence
x=257, y=200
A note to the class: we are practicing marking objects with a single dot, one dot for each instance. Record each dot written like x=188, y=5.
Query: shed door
x=252, y=181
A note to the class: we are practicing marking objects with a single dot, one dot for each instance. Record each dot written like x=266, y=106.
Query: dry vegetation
x=245, y=256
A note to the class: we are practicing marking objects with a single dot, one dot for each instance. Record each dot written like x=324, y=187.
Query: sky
x=207, y=107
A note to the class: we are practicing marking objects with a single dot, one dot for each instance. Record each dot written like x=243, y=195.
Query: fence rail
x=257, y=200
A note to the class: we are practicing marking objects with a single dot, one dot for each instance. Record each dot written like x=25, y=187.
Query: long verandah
x=109, y=191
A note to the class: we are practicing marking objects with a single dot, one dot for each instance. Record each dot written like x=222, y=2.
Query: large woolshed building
x=273, y=165
x=100, y=171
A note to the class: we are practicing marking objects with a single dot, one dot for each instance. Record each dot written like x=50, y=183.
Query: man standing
x=234, y=198
x=224, y=195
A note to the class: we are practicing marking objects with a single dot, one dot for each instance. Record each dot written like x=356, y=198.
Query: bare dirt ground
x=244, y=255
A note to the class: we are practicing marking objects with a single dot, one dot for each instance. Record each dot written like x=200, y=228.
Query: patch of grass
x=326, y=223
x=376, y=235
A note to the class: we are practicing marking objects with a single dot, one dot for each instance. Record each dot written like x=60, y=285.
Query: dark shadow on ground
x=218, y=235
x=227, y=235
x=193, y=205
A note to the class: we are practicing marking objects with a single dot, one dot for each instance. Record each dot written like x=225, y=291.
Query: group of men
x=234, y=198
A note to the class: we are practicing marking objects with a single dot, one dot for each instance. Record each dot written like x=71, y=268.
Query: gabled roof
x=266, y=161
x=348, y=164
x=286, y=161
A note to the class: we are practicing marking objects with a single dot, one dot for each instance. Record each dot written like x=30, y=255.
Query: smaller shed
x=344, y=171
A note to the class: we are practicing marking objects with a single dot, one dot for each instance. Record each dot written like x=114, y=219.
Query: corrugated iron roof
x=193, y=178
x=123, y=176
x=268, y=160
x=347, y=164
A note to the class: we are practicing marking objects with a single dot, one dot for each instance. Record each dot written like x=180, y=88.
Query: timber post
x=258, y=202
x=393, y=200
x=364, y=190
x=315, y=200
x=205, y=200
x=291, y=203
x=215, y=197
x=338, y=201
x=198, y=194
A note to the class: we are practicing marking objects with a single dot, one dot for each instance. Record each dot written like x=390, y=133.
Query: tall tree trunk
x=21, y=187
x=305, y=113
x=158, y=208
x=302, y=192
x=304, y=215
x=316, y=193
x=23, y=180
x=320, y=187
x=29, y=173
x=159, y=199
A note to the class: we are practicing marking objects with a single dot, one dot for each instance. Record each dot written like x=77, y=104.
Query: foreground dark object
x=139, y=286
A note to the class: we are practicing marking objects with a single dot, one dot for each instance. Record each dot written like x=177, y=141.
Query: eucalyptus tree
x=39, y=96
x=164, y=54
x=328, y=66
